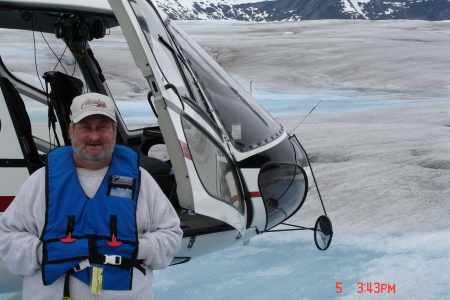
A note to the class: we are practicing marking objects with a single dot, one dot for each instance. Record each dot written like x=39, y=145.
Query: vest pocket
x=60, y=251
x=60, y=258
x=121, y=186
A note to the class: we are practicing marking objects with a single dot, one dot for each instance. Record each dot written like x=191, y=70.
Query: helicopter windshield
x=248, y=125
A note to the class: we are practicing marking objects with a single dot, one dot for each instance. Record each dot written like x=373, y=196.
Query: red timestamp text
x=370, y=287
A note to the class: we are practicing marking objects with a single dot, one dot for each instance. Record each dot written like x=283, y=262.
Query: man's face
x=93, y=138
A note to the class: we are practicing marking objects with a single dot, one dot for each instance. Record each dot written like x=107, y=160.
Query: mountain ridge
x=294, y=10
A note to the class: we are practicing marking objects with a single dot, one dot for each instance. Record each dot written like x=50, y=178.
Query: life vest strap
x=66, y=295
x=114, y=260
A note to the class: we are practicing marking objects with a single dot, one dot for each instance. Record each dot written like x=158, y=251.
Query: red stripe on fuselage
x=255, y=194
x=5, y=201
x=185, y=150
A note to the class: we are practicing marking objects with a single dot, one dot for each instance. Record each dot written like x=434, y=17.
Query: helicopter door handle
x=191, y=242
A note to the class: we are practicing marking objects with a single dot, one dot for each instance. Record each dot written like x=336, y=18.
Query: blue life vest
x=101, y=229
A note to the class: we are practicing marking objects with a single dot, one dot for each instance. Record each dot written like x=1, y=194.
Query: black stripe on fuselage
x=13, y=163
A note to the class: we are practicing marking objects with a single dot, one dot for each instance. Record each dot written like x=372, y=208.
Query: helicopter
x=228, y=167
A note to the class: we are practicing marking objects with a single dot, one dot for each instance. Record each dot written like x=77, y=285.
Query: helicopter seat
x=162, y=173
x=63, y=89
x=19, y=113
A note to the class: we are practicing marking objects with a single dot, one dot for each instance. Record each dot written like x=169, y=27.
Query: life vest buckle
x=113, y=259
x=82, y=265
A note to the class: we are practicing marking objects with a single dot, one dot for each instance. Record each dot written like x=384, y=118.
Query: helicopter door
x=15, y=162
x=216, y=186
x=207, y=180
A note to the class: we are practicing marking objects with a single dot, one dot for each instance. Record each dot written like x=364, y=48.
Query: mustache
x=92, y=142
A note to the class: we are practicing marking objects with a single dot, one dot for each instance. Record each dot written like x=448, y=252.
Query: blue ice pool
x=138, y=113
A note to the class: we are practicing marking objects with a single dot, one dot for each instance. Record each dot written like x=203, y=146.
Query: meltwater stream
x=138, y=113
x=282, y=103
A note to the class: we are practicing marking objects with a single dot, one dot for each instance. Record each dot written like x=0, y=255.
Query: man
x=91, y=224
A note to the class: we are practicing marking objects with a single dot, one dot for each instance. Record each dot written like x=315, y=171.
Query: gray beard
x=86, y=157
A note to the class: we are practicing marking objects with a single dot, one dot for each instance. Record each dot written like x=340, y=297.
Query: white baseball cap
x=92, y=104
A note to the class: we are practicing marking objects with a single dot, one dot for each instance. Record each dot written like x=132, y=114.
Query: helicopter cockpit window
x=283, y=188
x=36, y=54
x=247, y=123
x=213, y=166
x=130, y=92
x=160, y=44
x=27, y=62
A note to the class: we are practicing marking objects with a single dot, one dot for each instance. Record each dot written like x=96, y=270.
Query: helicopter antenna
x=306, y=116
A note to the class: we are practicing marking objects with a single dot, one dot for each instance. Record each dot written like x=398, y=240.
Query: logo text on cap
x=95, y=103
